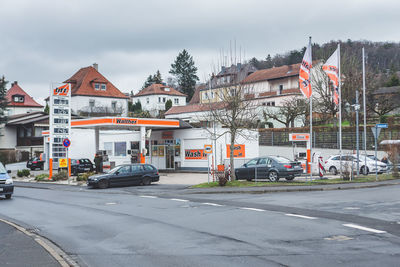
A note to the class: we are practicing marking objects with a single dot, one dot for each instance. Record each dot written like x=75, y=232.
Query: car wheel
x=102, y=184
x=333, y=170
x=273, y=176
x=146, y=181
x=290, y=178
x=364, y=170
x=248, y=179
x=32, y=168
x=8, y=196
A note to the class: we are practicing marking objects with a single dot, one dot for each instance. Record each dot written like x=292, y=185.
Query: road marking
x=148, y=196
x=111, y=203
x=300, y=216
x=178, y=199
x=351, y=208
x=212, y=204
x=338, y=238
x=364, y=228
x=251, y=209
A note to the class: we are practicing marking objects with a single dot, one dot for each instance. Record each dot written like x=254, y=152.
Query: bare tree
x=382, y=103
x=235, y=111
x=291, y=109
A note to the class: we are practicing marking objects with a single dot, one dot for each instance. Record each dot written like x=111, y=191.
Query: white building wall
x=22, y=110
x=82, y=103
x=154, y=105
x=8, y=137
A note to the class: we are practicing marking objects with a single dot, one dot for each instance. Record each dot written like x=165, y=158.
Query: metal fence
x=328, y=139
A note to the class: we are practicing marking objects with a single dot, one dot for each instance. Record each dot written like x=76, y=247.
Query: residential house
x=154, y=97
x=19, y=102
x=94, y=95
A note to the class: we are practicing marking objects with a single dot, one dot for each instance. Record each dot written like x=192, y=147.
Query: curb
x=60, y=256
x=295, y=189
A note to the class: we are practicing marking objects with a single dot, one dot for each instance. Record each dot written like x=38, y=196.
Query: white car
x=349, y=162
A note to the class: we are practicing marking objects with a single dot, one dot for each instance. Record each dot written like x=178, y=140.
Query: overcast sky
x=46, y=41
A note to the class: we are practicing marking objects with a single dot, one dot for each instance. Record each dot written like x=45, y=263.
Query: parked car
x=349, y=162
x=127, y=174
x=81, y=165
x=35, y=163
x=6, y=183
x=390, y=164
x=270, y=167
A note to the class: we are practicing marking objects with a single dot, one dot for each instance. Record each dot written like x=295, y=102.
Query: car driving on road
x=6, y=183
x=269, y=167
x=127, y=174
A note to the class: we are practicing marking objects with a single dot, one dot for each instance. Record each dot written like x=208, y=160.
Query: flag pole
x=311, y=139
x=365, y=110
x=340, y=114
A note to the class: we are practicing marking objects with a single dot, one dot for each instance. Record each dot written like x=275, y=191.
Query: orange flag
x=304, y=75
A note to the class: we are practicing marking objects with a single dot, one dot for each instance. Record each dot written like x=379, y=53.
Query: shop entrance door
x=169, y=157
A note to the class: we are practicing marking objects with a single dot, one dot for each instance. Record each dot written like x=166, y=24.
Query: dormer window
x=166, y=89
x=18, y=98
x=96, y=86
x=103, y=86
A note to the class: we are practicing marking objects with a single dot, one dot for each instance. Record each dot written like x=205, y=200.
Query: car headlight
x=9, y=181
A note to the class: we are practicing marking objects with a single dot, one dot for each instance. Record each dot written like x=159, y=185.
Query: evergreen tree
x=185, y=72
x=393, y=81
x=148, y=82
x=168, y=104
x=157, y=77
x=3, y=100
x=47, y=109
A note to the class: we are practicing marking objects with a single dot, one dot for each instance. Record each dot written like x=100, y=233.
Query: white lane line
x=212, y=204
x=148, y=196
x=251, y=209
x=364, y=228
x=300, y=216
x=178, y=199
x=111, y=203
x=351, y=208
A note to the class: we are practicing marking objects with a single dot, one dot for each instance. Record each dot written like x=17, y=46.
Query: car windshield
x=115, y=169
x=281, y=159
x=2, y=169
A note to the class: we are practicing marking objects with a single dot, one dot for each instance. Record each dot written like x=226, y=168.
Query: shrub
x=62, y=175
x=42, y=177
x=84, y=176
x=24, y=172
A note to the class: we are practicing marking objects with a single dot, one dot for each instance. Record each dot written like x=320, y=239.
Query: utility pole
x=357, y=107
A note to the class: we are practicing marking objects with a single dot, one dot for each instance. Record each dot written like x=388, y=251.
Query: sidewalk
x=18, y=249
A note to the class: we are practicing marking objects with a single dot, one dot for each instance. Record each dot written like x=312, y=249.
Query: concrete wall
x=8, y=137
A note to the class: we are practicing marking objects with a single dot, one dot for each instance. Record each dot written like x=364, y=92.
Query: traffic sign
x=376, y=131
x=66, y=142
x=63, y=163
x=207, y=149
x=381, y=125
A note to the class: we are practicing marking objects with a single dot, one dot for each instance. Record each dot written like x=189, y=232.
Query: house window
x=108, y=148
x=163, y=99
x=120, y=149
x=97, y=86
x=114, y=105
x=176, y=100
x=91, y=103
x=212, y=95
x=205, y=95
x=268, y=103
x=273, y=103
x=19, y=99
x=147, y=100
x=159, y=100
x=280, y=88
x=103, y=87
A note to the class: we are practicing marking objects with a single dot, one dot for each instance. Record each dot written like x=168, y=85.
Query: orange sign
x=208, y=149
x=62, y=90
x=238, y=151
x=299, y=137
x=195, y=154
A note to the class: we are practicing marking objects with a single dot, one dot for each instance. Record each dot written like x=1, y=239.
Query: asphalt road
x=159, y=225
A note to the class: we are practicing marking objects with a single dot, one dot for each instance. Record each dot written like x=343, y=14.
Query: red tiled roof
x=28, y=100
x=267, y=93
x=273, y=73
x=196, y=96
x=159, y=89
x=82, y=83
x=194, y=108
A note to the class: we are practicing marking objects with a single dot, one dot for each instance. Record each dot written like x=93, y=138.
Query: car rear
x=288, y=168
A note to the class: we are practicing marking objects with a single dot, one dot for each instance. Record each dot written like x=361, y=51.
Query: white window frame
x=97, y=86
x=103, y=86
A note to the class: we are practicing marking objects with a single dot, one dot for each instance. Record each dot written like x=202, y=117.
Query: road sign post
x=376, y=131
x=208, y=150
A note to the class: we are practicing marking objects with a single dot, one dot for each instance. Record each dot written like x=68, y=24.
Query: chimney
x=96, y=66
x=15, y=83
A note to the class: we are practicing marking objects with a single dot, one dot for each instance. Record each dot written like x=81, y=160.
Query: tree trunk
x=231, y=158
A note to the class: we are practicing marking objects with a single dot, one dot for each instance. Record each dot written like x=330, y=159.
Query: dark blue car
x=6, y=183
